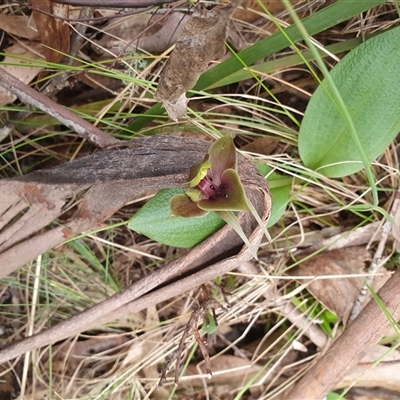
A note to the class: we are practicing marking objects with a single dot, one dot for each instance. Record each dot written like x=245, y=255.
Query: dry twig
x=192, y=325
x=30, y=96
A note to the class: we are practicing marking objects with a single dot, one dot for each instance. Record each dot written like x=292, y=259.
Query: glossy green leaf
x=279, y=187
x=154, y=221
x=368, y=79
x=280, y=199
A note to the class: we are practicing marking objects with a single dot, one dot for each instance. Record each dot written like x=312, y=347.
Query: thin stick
x=116, y=3
x=30, y=96
x=377, y=260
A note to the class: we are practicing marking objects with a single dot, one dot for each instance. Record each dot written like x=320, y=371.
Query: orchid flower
x=214, y=185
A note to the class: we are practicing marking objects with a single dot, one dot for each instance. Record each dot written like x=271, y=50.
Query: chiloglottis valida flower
x=214, y=185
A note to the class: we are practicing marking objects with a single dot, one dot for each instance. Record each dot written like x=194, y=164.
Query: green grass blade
x=339, y=11
x=286, y=62
x=324, y=19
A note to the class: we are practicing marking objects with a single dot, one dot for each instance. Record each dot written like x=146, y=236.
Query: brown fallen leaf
x=7, y=383
x=202, y=41
x=251, y=11
x=21, y=26
x=18, y=55
x=151, y=33
x=338, y=295
x=54, y=32
x=262, y=145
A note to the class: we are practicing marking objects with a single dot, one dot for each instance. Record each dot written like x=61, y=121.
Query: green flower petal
x=222, y=157
x=181, y=205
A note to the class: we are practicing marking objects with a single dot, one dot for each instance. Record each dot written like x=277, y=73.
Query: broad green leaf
x=154, y=221
x=279, y=187
x=280, y=199
x=368, y=79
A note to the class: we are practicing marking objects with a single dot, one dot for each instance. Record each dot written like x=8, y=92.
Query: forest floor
x=259, y=327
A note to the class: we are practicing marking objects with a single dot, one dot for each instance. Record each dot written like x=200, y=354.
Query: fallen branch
x=365, y=331
x=116, y=3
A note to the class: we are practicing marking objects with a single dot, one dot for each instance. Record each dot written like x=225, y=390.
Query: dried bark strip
x=53, y=32
x=114, y=178
x=76, y=42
